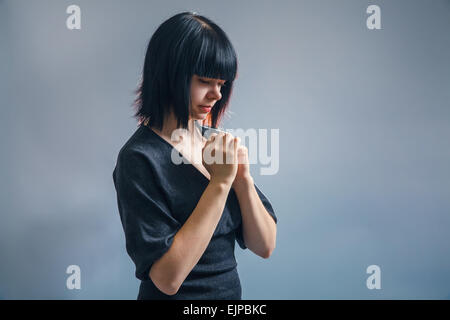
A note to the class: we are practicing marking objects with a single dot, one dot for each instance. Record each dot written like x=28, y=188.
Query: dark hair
x=184, y=45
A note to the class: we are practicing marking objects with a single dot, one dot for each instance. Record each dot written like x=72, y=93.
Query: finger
x=217, y=142
x=210, y=139
x=212, y=136
x=237, y=142
x=228, y=138
x=222, y=139
x=229, y=141
x=236, y=149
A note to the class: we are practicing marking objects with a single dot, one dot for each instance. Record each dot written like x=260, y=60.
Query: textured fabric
x=155, y=197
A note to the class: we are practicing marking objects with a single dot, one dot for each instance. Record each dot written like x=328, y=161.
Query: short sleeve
x=265, y=201
x=147, y=222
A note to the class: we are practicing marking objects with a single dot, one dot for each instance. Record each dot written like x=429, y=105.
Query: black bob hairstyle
x=184, y=45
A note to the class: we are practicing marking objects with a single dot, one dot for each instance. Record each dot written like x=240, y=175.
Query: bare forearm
x=259, y=228
x=192, y=239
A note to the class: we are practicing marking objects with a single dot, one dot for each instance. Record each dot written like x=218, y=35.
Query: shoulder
x=140, y=150
x=140, y=139
x=142, y=142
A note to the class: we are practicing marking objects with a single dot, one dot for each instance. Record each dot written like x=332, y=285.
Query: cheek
x=198, y=94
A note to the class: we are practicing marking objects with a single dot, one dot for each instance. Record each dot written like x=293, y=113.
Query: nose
x=214, y=93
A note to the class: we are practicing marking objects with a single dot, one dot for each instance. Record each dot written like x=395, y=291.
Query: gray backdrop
x=364, y=143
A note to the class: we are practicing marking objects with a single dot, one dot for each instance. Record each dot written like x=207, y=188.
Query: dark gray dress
x=155, y=197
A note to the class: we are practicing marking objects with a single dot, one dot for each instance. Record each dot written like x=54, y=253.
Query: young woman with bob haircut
x=181, y=221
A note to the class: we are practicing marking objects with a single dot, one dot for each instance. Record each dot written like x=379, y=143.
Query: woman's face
x=205, y=92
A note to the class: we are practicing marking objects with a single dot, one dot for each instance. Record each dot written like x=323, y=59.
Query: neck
x=170, y=125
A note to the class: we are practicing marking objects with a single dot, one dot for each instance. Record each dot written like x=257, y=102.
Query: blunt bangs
x=215, y=59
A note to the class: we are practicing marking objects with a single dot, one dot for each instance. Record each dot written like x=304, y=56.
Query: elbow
x=270, y=246
x=267, y=253
x=167, y=289
x=171, y=290
x=264, y=252
x=164, y=285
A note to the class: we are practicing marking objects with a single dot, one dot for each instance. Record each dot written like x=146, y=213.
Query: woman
x=181, y=221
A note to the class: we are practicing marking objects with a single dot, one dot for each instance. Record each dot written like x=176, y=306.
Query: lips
x=205, y=108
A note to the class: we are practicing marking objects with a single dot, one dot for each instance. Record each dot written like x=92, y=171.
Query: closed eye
x=207, y=82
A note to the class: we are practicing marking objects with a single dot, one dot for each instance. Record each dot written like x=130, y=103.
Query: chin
x=201, y=116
